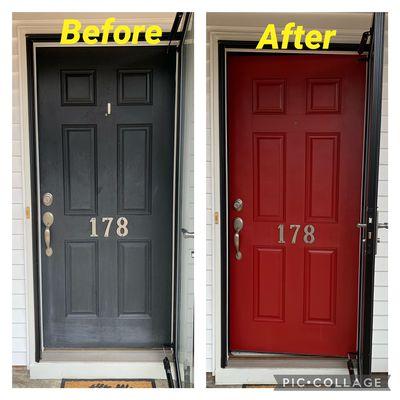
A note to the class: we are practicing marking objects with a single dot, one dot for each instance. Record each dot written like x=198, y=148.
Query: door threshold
x=274, y=360
x=261, y=368
x=239, y=375
x=96, y=370
x=105, y=355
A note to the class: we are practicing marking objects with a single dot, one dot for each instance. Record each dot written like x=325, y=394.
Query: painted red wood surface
x=295, y=143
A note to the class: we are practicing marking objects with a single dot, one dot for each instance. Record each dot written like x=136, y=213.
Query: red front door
x=295, y=145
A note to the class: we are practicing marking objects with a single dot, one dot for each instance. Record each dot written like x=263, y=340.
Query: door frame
x=220, y=44
x=29, y=33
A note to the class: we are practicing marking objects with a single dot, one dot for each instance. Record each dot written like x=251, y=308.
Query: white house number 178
x=122, y=226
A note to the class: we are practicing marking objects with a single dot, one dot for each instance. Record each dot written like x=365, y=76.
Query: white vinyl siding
x=19, y=328
x=209, y=230
x=380, y=332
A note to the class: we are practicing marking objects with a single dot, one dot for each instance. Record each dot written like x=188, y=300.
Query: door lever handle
x=381, y=225
x=238, y=226
x=186, y=234
x=48, y=219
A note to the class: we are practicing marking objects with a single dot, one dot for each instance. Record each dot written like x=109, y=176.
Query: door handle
x=238, y=226
x=380, y=225
x=48, y=219
x=187, y=234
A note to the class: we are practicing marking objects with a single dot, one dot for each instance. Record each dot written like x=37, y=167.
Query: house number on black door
x=121, y=230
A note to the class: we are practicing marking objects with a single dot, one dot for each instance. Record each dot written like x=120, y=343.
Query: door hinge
x=216, y=218
x=28, y=212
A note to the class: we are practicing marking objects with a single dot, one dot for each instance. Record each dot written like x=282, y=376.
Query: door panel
x=108, y=281
x=134, y=169
x=295, y=144
x=80, y=169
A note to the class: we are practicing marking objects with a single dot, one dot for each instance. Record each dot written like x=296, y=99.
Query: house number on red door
x=308, y=231
x=122, y=226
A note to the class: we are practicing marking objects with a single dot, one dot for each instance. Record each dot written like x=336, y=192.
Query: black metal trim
x=31, y=39
x=186, y=21
x=34, y=205
x=363, y=43
x=223, y=158
x=351, y=365
x=251, y=45
x=174, y=28
x=370, y=193
x=168, y=372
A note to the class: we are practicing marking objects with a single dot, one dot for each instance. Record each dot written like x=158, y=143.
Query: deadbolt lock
x=47, y=199
x=238, y=204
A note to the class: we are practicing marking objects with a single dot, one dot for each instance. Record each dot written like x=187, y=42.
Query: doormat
x=257, y=386
x=108, y=383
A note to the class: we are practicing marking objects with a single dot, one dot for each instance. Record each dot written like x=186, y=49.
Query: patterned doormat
x=257, y=386
x=108, y=383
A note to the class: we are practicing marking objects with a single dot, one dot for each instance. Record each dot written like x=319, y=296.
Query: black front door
x=106, y=151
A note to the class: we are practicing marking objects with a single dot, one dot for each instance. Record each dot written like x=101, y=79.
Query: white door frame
x=238, y=375
x=60, y=369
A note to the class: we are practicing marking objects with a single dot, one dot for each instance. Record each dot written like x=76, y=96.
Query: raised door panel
x=80, y=169
x=134, y=169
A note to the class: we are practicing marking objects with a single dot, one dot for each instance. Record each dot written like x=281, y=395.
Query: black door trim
x=34, y=186
x=31, y=40
x=365, y=326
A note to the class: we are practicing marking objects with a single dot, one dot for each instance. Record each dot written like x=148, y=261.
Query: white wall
x=348, y=26
x=380, y=333
x=19, y=356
